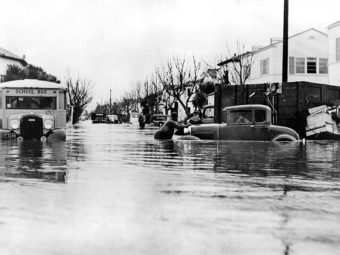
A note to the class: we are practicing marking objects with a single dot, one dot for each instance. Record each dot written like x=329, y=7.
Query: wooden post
x=72, y=112
x=285, y=43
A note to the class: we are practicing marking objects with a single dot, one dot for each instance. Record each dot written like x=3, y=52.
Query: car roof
x=247, y=107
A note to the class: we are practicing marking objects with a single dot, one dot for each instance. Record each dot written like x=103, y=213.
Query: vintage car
x=98, y=118
x=208, y=114
x=244, y=122
x=112, y=119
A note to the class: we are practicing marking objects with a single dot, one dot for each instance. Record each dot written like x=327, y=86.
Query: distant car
x=159, y=119
x=245, y=122
x=98, y=118
x=112, y=119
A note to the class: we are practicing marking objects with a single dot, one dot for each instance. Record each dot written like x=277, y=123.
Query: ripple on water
x=113, y=187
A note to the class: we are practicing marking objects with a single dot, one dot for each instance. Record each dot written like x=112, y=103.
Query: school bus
x=32, y=110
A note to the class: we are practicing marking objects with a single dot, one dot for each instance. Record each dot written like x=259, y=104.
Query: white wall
x=255, y=76
x=310, y=43
x=333, y=66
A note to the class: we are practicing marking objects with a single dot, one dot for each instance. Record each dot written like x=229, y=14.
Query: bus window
x=62, y=100
x=15, y=102
x=0, y=99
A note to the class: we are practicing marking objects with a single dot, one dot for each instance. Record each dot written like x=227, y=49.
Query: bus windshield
x=20, y=102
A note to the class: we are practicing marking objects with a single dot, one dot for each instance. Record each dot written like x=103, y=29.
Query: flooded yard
x=113, y=189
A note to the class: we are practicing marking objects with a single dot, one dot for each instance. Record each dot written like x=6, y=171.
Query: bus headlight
x=14, y=124
x=48, y=124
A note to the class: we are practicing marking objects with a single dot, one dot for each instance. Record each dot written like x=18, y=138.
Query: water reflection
x=129, y=193
x=33, y=160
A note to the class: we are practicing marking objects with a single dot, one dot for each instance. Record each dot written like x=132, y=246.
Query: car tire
x=284, y=138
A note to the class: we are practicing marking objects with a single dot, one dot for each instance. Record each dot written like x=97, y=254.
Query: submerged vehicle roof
x=32, y=84
x=247, y=106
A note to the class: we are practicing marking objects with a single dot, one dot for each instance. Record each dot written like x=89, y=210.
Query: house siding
x=255, y=76
x=333, y=65
x=310, y=43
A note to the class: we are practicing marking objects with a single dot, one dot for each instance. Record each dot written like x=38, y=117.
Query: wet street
x=113, y=189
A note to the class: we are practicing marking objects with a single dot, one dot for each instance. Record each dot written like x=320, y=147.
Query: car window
x=241, y=117
x=260, y=116
x=209, y=113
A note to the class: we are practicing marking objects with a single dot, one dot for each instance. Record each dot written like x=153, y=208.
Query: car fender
x=187, y=138
x=284, y=138
x=282, y=130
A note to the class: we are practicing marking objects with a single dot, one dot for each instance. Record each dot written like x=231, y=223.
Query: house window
x=291, y=65
x=300, y=65
x=337, y=49
x=323, y=65
x=264, y=66
x=311, y=65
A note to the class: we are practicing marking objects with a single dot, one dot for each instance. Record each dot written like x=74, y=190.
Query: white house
x=8, y=58
x=308, y=59
x=334, y=53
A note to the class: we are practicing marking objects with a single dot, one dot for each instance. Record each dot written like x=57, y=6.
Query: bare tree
x=153, y=93
x=177, y=78
x=237, y=68
x=129, y=102
x=79, y=96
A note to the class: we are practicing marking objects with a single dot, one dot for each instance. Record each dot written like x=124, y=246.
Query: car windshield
x=15, y=102
x=241, y=117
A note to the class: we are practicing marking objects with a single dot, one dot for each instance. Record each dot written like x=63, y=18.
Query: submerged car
x=245, y=122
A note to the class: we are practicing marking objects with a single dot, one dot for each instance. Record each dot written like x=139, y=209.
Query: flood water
x=113, y=189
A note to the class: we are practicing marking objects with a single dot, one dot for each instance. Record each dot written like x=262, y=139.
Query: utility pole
x=110, y=103
x=285, y=43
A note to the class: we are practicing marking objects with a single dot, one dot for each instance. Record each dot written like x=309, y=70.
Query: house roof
x=7, y=54
x=235, y=58
x=335, y=24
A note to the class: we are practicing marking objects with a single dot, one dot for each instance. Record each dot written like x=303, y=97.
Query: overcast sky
x=115, y=43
